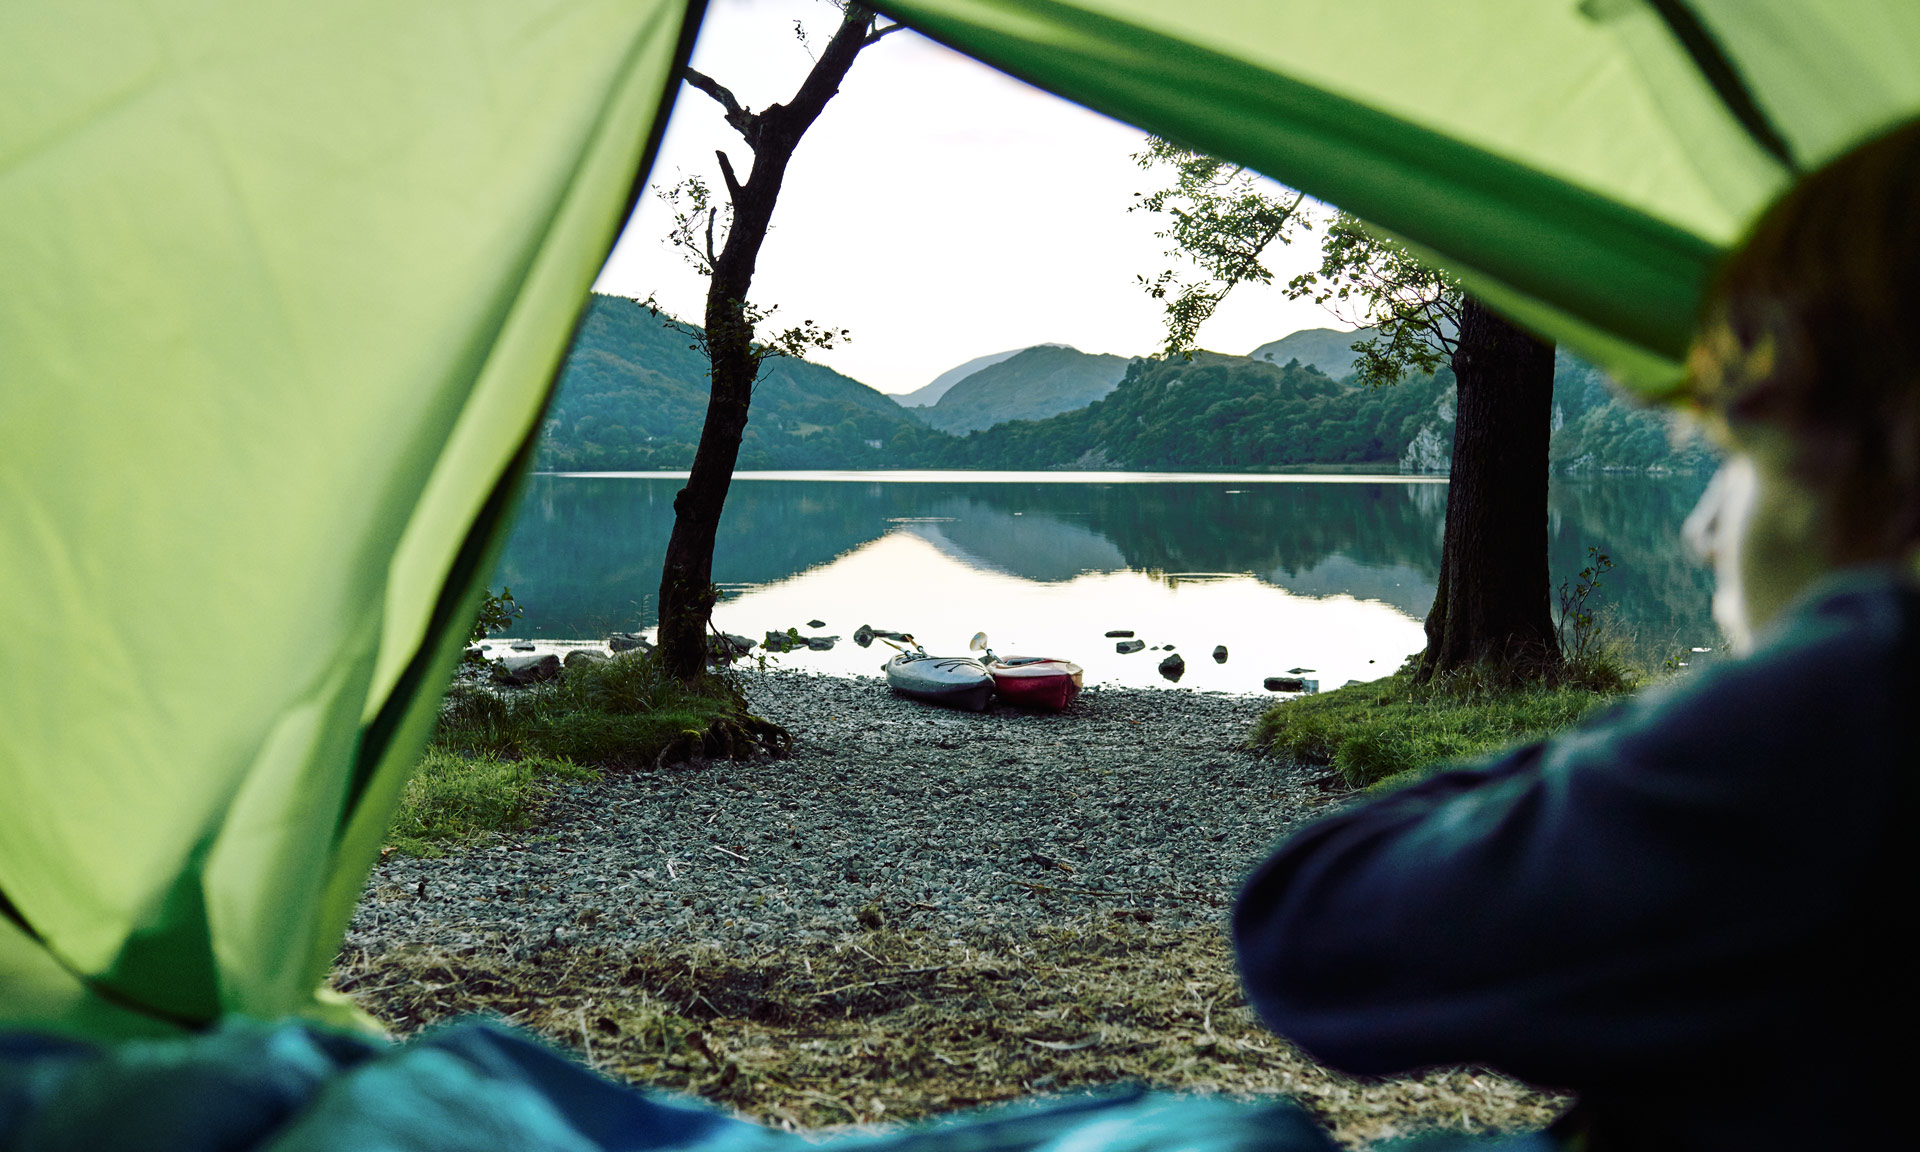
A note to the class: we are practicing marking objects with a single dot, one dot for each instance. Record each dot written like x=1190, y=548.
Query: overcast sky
x=938, y=209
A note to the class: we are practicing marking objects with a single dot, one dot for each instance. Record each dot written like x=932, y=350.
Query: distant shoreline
x=1342, y=474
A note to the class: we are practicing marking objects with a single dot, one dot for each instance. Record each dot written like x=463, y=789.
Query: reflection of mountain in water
x=1032, y=546
x=585, y=552
x=1404, y=586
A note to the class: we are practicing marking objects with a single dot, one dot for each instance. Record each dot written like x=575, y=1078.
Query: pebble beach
x=1132, y=803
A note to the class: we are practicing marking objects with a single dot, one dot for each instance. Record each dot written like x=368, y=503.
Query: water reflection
x=585, y=554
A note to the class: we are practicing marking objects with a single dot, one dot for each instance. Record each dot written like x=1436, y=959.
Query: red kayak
x=1035, y=681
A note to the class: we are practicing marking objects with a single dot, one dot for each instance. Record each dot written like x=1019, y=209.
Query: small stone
x=1119, y=632
x=1285, y=684
x=628, y=642
x=1219, y=653
x=581, y=657
x=863, y=636
x=1299, y=671
x=816, y=623
x=821, y=643
x=522, y=646
x=1126, y=646
x=1173, y=667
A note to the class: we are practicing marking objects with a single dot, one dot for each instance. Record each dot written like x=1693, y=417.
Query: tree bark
x=1492, y=603
x=686, y=577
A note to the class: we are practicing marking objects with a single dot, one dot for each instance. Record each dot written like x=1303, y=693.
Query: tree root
x=735, y=737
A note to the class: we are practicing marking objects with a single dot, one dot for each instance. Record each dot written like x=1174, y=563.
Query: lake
x=1331, y=573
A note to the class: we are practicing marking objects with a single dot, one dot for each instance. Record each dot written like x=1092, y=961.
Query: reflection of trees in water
x=585, y=553
x=1225, y=527
x=1659, y=595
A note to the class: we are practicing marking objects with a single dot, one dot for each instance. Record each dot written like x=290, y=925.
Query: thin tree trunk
x=1492, y=602
x=686, y=576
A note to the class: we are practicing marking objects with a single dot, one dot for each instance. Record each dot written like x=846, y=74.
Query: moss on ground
x=496, y=754
x=1393, y=730
x=882, y=1025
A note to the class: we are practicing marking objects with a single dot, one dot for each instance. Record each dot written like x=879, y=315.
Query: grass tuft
x=1394, y=729
x=495, y=755
x=454, y=800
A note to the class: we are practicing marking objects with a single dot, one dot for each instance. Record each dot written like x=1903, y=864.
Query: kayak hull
x=955, y=681
x=1041, y=682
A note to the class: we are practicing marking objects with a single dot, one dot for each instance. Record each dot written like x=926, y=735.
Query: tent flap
x=288, y=284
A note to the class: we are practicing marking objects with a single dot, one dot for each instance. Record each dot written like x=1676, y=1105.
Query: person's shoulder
x=1837, y=668
x=1857, y=619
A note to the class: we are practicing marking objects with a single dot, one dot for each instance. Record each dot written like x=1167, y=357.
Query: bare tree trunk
x=1492, y=603
x=686, y=577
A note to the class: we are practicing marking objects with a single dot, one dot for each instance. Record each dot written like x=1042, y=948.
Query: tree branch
x=736, y=115
x=726, y=173
x=875, y=35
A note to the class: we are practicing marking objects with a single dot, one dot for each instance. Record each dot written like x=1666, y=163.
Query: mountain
x=1327, y=349
x=929, y=394
x=633, y=396
x=1032, y=384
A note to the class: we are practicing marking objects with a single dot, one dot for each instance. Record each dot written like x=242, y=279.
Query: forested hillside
x=633, y=396
x=1594, y=431
x=1212, y=413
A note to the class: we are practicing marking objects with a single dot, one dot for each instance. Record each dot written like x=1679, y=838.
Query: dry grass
x=883, y=1026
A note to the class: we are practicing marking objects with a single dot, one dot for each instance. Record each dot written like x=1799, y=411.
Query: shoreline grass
x=1393, y=731
x=496, y=755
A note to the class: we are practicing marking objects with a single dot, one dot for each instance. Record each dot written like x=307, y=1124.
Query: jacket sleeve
x=1649, y=887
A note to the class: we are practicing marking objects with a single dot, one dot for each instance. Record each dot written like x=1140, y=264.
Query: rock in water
x=1126, y=646
x=581, y=657
x=1173, y=667
x=727, y=646
x=1219, y=653
x=523, y=646
x=628, y=642
x=816, y=623
x=1119, y=632
x=863, y=636
x=527, y=669
x=1298, y=671
x=1285, y=684
x=821, y=643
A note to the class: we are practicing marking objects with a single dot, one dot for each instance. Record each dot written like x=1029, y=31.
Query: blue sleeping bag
x=475, y=1087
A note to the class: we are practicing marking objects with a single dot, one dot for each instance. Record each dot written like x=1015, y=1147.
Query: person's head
x=1807, y=368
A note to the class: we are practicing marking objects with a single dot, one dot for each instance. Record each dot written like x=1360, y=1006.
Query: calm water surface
x=1329, y=573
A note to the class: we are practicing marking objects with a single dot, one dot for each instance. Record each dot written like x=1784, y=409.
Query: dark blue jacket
x=1687, y=910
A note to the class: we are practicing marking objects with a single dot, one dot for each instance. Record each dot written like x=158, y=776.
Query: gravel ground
x=918, y=911
x=1133, y=803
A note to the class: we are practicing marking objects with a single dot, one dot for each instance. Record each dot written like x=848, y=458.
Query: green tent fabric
x=285, y=285
x=1579, y=163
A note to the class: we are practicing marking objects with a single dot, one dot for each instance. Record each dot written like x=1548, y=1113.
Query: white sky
x=938, y=209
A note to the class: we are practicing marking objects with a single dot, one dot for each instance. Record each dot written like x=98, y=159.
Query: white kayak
x=956, y=681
